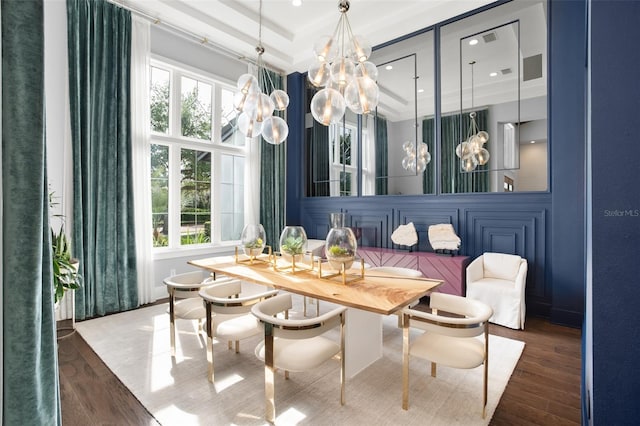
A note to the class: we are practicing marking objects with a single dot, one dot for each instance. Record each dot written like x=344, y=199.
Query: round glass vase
x=293, y=243
x=253, y=240
x=340, y=248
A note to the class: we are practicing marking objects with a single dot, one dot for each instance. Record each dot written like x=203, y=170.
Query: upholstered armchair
x=498, y=280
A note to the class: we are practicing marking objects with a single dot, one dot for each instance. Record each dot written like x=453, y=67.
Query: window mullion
x=175, y=128
x=174, y=196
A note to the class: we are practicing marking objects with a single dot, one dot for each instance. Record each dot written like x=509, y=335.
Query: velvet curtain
x=103, y=207
x=453, y=132
x=382, y=156
x=31, y=390
x=272, y=184
x=428, y=133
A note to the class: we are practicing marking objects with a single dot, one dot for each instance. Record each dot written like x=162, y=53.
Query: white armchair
x=498, y=280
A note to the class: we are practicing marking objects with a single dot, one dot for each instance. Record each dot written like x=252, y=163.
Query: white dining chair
x=228, y=315
x=450, y=337
x=296, y=345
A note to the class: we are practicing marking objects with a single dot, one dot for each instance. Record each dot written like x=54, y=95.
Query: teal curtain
x=382, y=156
x=272, y=183
x=103, y=220
x=320, y=158
x=453, y=179
x=428, y=183
x=31, y=390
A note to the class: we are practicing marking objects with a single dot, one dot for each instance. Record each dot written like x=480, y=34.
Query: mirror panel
x=393, y=136
x=494, y=64
x=331, y=154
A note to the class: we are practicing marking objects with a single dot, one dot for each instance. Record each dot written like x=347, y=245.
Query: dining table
x=369, y=296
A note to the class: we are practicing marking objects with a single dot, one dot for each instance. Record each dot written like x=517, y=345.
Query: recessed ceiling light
x=388, y=67
x=533, y=142
x=296, y=2
x=420, y=90
x=473, y=42
x=493, y=74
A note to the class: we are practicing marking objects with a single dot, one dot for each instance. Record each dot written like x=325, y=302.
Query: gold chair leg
x=237, y=346
x=209, y=330
x=230, y=344
x=172, y=322
x=269, y=375
x=405, y=362
x=433, y=369
x=486, y=369
x=342, y=359
x=286, y=374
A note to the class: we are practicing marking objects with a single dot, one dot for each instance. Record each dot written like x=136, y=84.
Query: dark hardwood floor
x=544, y=388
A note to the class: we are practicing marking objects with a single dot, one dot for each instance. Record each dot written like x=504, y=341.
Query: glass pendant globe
x=483, y=156
x=280, y=99
x=325, y=49
x=468, y=164
x=248, y=83
x=463, y=150
x=342, y=71
x=327, y=106
x=426, y=157
x=259, y=106
x=408, y=147
x=360, y=49
x=483, y=136
x=319, y=74
x=367, y=69
x=275, y=130
x=239, y=100
x=249, y=126
x=421, y=166
x=362, y=95
x=409, y=162
x=423, y=149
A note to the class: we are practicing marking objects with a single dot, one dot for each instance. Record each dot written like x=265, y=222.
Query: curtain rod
x=191, y=36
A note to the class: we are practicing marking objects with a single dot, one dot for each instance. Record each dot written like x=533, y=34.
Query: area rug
x=135, y=346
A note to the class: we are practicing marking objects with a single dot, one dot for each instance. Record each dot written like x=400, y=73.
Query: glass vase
x=340, y=248
x=253, y=240
x=293, y=243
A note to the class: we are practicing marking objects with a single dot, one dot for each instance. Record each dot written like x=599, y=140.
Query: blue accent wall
x=615, y=176
x=546, y=228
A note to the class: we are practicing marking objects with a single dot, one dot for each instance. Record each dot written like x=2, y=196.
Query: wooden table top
x=377, y=292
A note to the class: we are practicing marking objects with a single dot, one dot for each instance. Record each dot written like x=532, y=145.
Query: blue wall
x=615, y=149
x=546, y=228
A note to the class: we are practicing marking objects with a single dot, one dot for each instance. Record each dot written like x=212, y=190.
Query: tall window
x=343, y=160
x=197, y=159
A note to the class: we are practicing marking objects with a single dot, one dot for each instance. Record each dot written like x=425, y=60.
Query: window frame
x=175, y=142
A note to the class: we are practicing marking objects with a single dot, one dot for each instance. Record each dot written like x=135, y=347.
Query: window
x=197, y=159
x=343, y=165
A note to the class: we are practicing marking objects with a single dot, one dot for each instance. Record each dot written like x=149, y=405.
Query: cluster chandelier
x=471, y=151
x=255, y=107
x=342, y=69
x=415, y=159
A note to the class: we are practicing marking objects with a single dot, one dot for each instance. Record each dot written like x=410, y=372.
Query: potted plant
x=253, y=240
x=293, y=243
x=341, y=248
x=65, y=267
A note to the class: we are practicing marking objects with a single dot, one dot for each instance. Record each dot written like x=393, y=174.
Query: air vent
x=532, y=67
x=506, y=71
x=489, y=37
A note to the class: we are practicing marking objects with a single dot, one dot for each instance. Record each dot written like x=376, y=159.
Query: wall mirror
x=331, y=154
x=397, y=146
x=494, y=65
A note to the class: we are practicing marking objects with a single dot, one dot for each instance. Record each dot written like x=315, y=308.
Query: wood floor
x=544, y=388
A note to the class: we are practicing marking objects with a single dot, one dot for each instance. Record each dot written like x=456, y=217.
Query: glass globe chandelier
x=256, y=108
x=342, y=71
x=415, y=159
x=471, y=151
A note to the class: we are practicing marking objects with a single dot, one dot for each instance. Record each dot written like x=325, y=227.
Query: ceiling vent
x=506, y=71
x=489, y=37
